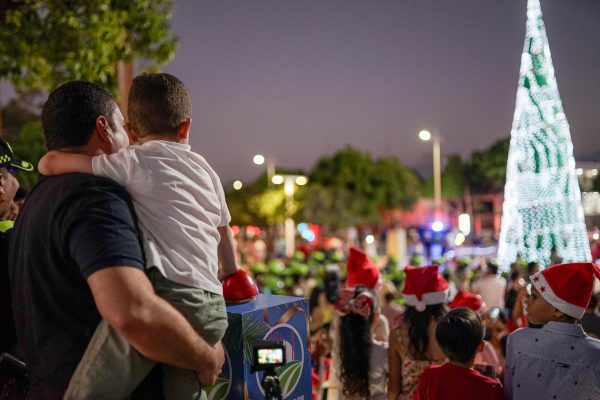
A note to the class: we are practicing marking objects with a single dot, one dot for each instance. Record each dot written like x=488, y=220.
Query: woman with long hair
x=412, y=346
x=361, y=360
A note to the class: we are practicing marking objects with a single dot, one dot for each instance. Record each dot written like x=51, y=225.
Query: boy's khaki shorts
x=112, y=369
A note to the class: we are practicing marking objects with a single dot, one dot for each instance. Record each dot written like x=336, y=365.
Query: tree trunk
x=124, y=79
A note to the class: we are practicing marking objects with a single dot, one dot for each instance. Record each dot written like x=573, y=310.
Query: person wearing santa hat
x=360, y=361
x=360, y=270
x=362, y=277
x=558, y=361
x=412, y=345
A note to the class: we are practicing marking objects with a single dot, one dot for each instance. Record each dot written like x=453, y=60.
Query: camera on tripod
x=266, y=357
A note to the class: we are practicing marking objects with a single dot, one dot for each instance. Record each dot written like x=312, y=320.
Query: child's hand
x=45, y=164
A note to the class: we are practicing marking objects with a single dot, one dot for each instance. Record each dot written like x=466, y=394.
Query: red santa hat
x=360, y=270
x=424, y=287
x=469, y=300
x=567, y=287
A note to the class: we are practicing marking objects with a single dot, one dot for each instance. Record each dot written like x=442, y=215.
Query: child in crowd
x=360, y=270
x=361, y=360
x=184, y=220
x=558, y=361
x=486, y=361
x=460, y=335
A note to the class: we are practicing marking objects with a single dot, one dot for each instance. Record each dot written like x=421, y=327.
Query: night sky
x=296, y=80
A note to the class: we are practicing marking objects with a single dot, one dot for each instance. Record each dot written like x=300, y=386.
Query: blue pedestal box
x=269, y=317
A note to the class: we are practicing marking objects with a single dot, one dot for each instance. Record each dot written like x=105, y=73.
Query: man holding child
x=76, y=257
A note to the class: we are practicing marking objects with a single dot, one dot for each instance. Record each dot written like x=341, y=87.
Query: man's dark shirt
x=70, y=227
x=7, y=325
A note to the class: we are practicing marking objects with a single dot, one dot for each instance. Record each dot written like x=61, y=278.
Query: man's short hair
x=158, y=104
x=459, y=333
x=69, y=115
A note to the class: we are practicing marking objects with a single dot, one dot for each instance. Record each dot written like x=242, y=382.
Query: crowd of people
x=126, y=273
x=466, y=344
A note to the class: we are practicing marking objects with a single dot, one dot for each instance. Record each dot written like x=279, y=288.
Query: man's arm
x=58, y=162
x=226, y=252
x=126, y=300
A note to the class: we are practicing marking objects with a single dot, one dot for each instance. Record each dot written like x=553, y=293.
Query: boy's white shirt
x=179, y=202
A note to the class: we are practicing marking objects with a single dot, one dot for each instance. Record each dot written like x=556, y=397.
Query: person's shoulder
x=77, y=178
x=79, y=187
x=522, y=334
x=484, y=380
x=437, y=368
x=593, y=345
x=201, y=160
x=485, y=383
x=94, y=184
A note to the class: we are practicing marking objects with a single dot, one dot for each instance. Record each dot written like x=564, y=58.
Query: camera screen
x=270, y=356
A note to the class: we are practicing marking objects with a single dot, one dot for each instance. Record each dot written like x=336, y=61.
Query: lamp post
x=437, y=172
x=259, y=159
x=289, y=188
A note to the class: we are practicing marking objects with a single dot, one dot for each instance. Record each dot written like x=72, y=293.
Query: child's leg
x=109, y=369
x=206, y=314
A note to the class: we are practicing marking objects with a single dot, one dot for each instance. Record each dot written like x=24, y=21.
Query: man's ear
x=103, y=129
x=184, y=131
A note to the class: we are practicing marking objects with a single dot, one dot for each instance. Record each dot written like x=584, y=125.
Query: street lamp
x=437, y=172
x=237, y=185
x=259, y=159
x=289, y=188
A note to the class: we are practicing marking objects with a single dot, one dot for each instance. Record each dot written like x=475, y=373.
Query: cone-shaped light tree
x=542, y=217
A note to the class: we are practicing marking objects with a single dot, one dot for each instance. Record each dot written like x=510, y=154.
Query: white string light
x=542, y=202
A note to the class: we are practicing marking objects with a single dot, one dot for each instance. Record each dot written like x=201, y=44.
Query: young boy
x=184, y=221
x=460, y=336
x=558, y=361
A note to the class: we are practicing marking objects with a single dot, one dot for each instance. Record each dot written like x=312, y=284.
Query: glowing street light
x=425, y=135
x=437, y=171
x=237, y=185
x=277, y=180
x=259, y=159
x=301, y=180
x=289, y=188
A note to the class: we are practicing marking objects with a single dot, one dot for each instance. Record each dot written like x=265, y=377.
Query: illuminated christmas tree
x=542, y=216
